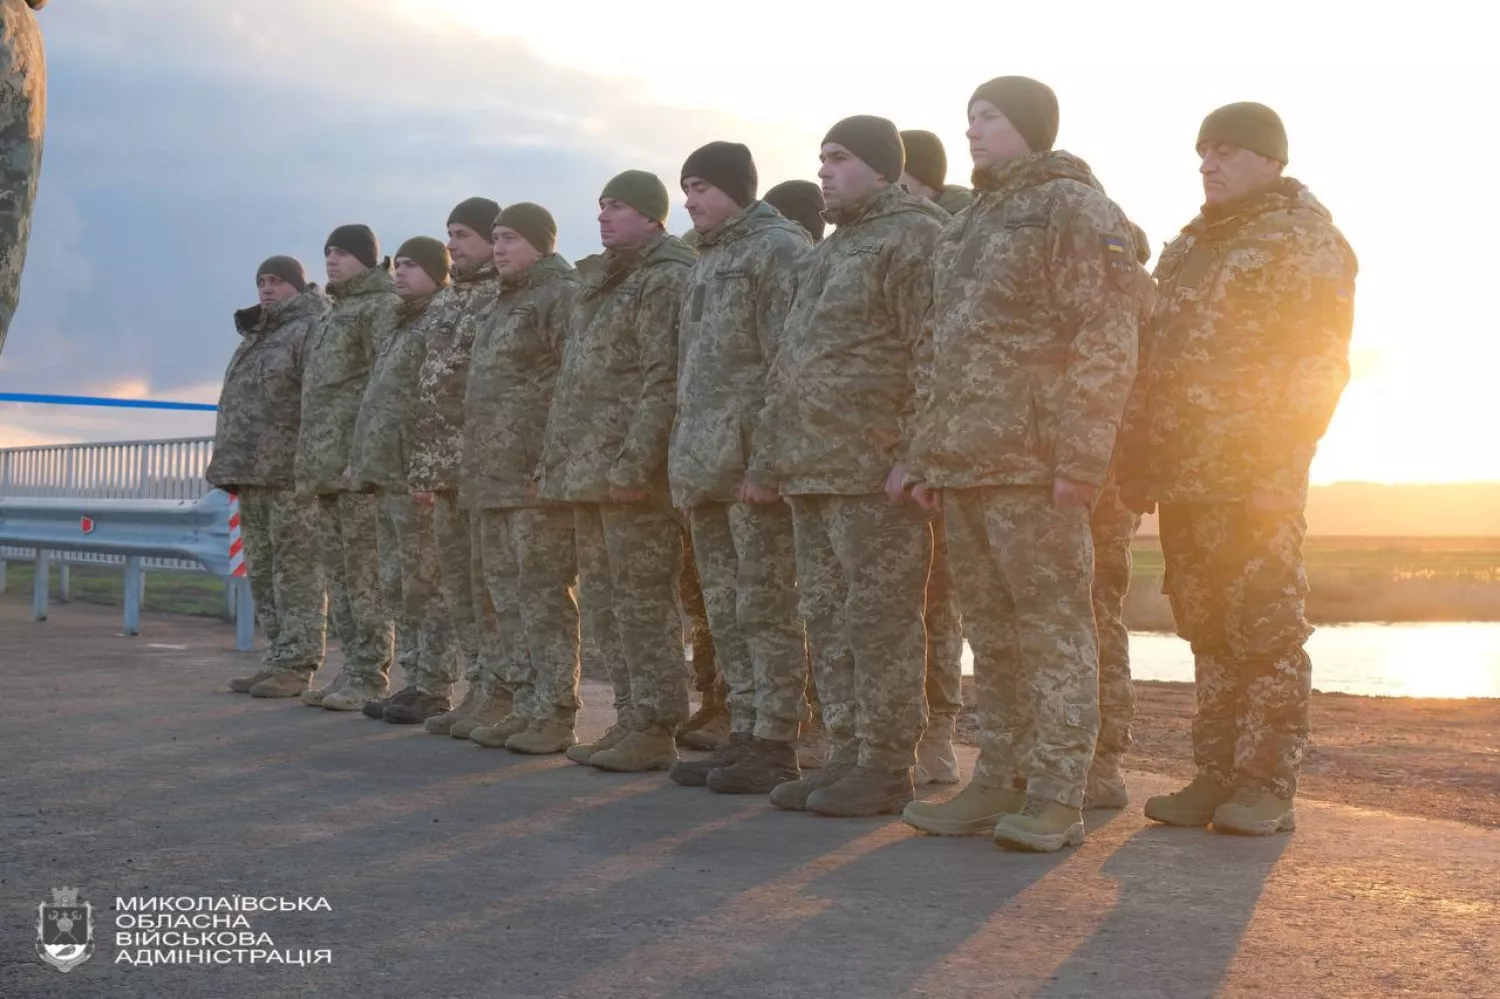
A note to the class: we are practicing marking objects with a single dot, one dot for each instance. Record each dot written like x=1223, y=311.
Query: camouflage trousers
x=945, y=636
x=862, y=569
x=629, y=561
x=408, y=629
x=747, y=559
x=708, y=676
x=482, y=654
x=1027, y=570
x=1113, y=529
x=1238, y=589
x=529, y=557
x=348, y=530
x=23, y=113
x=408, y=525
x=279, y=527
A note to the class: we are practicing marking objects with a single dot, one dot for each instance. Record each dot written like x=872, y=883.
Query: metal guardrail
x=183, y=530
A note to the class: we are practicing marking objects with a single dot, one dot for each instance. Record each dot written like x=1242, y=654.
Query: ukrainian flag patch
x=1114, y=244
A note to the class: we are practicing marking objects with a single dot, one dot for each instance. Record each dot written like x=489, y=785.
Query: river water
x=1397, y=660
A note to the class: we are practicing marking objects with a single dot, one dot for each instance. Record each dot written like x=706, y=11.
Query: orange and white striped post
x=236, y=542
x=239, y=582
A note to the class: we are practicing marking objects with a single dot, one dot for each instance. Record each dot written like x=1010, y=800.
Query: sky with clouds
x=189, y=139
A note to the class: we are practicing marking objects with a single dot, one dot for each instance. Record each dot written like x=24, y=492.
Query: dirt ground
x=1419, y=756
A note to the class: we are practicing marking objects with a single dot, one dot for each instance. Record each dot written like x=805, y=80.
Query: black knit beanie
x=874, y=140
x=430, y=255
x=802, y=202
x=926, y=159
x=289, y=269
x=1030, y=105
x=727, y=166
x=1248, y=125
x=535, y=224
x=356, y=240
x=476, y=213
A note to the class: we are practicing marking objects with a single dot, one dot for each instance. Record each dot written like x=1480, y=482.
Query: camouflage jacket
x=260, y=406
x=733, y=307
x=340, y=352
x=1037, y=294
x=1248, y=352
x=840, y=392
x=954, y=199
x=438, y=424
x=516, y=358
x=612, y=408
x=381, y=446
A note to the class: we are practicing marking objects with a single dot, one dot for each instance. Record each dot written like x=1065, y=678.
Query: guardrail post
x=2, y=576
x=133, y=594
x=244, y=616
x=64, y=582
x=230, y=598
x=40, y=583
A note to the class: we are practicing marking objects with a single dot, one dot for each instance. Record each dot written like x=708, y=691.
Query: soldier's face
x=513, y=252
x=845, y=178
x=1231, y=172
x=467, y=248
x=273, y=289
x=992, y=138
x=341, y=265
x=706, y=204
x=411, y=280
x=621, y=226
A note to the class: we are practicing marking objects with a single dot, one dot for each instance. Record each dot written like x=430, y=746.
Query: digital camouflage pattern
x=460, y=584
x=348, y=527
x=1029, y=615
x=707, y=676
x=1248, y=354
x=615, y=396
x=23, y=120
x=381, y=445
x=596, y=604
x=1238, y=590
x=516, y=356
x=734, y=305
x=438, y=419
x=1036, y=294
x=279, y=527
x=954, y=198
x=260, y=405
x=434, y=666
x=862, y=566
x=945, y=636
x=1113, y=528
x=340, y=351
x=840, y=392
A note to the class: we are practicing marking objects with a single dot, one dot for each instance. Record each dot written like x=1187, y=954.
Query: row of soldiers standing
x=520, y=437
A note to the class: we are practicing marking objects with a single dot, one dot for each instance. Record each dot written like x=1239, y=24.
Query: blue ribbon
x=89, y=400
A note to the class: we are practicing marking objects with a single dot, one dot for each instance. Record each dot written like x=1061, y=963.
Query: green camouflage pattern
x=279, y=528
x=434, y=666
x=954, y=198
x=1113, y=528
x=381, y=445
x=944, y=685
x=347, y=528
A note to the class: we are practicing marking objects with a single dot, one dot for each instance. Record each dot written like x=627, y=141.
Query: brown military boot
x=497, y=735
x=864, y=792
x=769, y=764
x=242, y=684
x=792, y=796
x=443, y=723
x=357, y=690
x=1042, y=826
x=584, y=751
x=974, y=810
x=937, y=763
x=708, y=727
x=1104, y=788
x=650, y=748
x=543, y=738
x=418, y=709
x=1255, y=812
x=495, y=706
x=314, y=698
x=282, y=683
x=376, y=708
x=694, y=773
x=1193, y=806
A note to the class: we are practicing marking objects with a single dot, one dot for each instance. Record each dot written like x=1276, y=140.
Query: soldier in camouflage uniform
x=378, y=459
x=434, y=472
x=338, y=358
x=1248, y=357
x=23, y=119
x=1036, y=294
x=926, y=173
x=526, y=546
x=605, y=450
x=832, y=438
x=255, y=440
x=734, y=305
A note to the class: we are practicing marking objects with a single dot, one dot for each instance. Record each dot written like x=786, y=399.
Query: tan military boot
x=314, y=698
x=497, y=735
x=1255, y=812
x=812, y=747
x=440, y=724
x=937, y=763
x=495, y=705
x=282, y=683
x=543, y=738
x=769, y=764
x=584, y=751
x=712, y=734
x=1105, y=785
x=712, y=709
x=357, y=690
x=792, y=796
x=1042, y=826
x=863, y=791
x=1192, y=807
x=242, y=684
x=974, y=810
x=651, y=748
x=694, y=773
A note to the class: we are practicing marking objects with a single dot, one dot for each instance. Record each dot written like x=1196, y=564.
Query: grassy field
x=168, y=592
